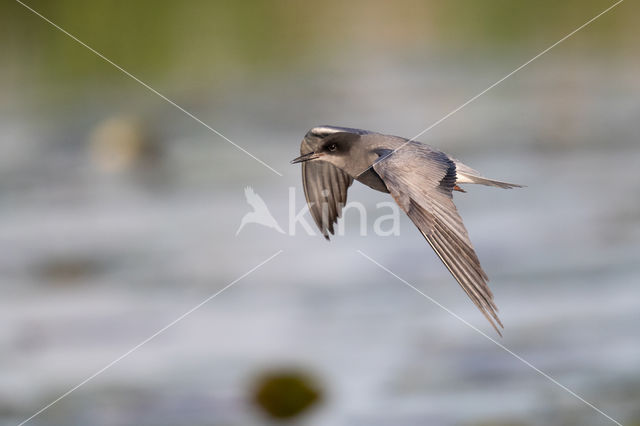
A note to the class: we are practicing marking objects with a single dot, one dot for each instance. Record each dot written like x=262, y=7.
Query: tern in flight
x=421, y=180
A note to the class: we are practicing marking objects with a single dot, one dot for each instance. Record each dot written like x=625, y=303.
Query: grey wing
x=421, y=181
x=325, y=188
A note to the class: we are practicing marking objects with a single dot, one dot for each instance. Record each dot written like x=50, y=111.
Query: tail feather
x=465, y=174
x=465, y=178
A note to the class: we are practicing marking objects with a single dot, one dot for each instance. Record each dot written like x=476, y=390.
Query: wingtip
x=496, y=326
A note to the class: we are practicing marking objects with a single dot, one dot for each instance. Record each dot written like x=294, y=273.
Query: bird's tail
x=484, y=181
x=465, y=174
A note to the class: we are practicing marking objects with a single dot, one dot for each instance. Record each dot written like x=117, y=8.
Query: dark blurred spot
x=68, y=270
x=286, y=394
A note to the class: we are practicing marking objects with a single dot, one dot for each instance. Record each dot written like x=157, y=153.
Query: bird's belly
x=373, y=180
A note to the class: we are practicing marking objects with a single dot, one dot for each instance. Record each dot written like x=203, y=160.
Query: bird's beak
x=306, y=157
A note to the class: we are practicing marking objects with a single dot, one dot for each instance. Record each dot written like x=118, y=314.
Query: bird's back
x=386, y=146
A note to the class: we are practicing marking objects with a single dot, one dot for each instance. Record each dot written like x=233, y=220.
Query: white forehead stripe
x=325, y=130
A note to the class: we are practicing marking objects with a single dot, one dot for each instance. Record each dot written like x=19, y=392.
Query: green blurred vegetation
x=201, y=41
x=286, y=394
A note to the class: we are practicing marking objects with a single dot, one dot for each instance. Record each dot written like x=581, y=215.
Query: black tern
x=421, y=180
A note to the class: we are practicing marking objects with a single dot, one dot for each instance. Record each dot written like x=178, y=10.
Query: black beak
x=305, y=157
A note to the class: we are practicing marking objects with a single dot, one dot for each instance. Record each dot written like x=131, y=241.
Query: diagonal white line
x=516, y=70
x=148, y=339
x=498, y=82
x=127, y=73
x=500, y=345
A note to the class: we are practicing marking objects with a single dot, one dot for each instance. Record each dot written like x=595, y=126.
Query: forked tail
x=465, y=174
x=484, y=181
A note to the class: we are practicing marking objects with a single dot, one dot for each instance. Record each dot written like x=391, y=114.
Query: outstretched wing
x=325, y=188
x=421, y=181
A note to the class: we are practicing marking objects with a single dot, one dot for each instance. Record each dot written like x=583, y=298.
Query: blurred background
x=118, y=213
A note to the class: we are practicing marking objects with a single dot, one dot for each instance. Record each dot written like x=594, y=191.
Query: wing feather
x=421, y=181
x=325, y=189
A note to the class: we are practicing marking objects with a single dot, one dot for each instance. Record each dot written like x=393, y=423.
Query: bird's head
x=328, y=143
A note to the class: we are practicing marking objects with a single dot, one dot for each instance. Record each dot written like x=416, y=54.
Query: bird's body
x=421, y=180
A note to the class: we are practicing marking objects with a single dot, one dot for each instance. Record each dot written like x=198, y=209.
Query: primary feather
x=421, y=181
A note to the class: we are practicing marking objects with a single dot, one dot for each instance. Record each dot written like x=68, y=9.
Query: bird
x=260, y=214
x=420, y=179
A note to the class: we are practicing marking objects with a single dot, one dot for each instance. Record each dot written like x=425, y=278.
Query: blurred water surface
x=103, y=244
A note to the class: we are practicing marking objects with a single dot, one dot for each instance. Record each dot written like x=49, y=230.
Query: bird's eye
x=332, y=147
